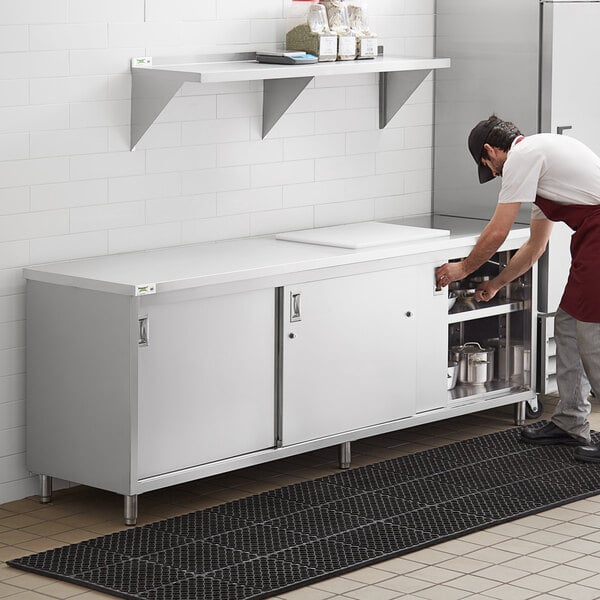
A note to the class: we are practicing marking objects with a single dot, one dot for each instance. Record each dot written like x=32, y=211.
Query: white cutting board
x=361, y=235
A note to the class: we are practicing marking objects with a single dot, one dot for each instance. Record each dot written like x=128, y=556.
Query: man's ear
x=490, y=150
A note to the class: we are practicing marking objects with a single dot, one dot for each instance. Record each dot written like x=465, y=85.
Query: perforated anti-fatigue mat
x=276, y=541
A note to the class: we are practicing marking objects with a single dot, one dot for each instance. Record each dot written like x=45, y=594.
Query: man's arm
x=489, y=241
x=522, y=261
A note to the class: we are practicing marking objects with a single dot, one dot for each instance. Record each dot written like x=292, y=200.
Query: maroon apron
x=581, y=298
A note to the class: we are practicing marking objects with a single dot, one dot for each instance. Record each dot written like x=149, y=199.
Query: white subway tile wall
x=70, y=188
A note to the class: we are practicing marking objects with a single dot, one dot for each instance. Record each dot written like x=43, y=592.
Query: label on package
x=347, y=45
x=368, y=48
x=328, y=45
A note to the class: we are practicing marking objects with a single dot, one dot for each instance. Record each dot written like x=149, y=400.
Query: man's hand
x=486, y=291
x=450, y=272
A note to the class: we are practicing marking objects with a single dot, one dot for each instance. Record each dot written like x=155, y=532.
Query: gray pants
x=577, y=371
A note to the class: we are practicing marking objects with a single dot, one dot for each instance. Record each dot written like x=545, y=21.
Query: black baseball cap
x=477, y=139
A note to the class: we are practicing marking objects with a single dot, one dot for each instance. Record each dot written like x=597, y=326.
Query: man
x=560, y=177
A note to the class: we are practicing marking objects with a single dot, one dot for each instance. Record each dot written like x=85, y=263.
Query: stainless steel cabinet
x=355, y=351
x=132, y=393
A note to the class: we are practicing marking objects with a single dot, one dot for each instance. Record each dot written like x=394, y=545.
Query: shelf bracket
x=395, y=88
x=278, y=96
x=151, y=91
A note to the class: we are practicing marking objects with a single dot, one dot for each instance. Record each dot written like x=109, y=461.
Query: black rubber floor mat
x=273, y=542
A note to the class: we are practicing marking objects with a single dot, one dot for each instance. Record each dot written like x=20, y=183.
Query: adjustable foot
x=520, y=410
x=130, y=512
x=345, y=455
x=45, y=489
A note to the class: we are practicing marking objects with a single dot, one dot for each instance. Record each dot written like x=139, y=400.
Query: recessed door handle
x=562, y=128
x=295, y=314
x=143, y=337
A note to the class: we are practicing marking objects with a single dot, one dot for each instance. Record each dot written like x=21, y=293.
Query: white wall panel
x=70, y=188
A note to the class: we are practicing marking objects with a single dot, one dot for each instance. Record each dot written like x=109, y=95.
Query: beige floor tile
x=19, y=521
x=442, y=592
x=434, y=574
x=458, y=547
x=538, y=583
x=556, y=555
x=593, y=581
x=506, y=591
x=40, y=545
x=574, y=591
x=492, y=555
x=472, y=583
x=563, y=513
x=338, y=585
x=501, y=573
x=10, y=552
x=581, y=545
x=513, y=529
x=539, y=521
x=28, y=595
x=369, y=575
x=485, y=538
x=61, y=589
x=529, y=564
x=588, y=520
x=74, y=536
x=47, y=528
x=21, y=506
x=547, y=538
x=589, y=505
x=29, y=581
x=16, y=536
x=464, y=564
x=372, y=593
x=404, y=583
x=7, y=590
x=589, y=563
x=566, y=573
x=430, y=556
x=519, y=546
x=399, y=565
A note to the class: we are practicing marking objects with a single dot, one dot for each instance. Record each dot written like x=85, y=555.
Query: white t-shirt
x=555, y=167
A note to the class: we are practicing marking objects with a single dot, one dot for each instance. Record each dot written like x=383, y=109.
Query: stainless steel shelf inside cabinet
x=472, y=392
x=156, y=81
x=458, y=316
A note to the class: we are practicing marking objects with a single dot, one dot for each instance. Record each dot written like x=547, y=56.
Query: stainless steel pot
x=475, y=363
x=452, y=374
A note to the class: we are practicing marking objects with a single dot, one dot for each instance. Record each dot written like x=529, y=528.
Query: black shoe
x=587, y=454
x=549, y=434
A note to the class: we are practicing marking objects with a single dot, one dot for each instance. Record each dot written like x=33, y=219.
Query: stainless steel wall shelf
x=155, y=82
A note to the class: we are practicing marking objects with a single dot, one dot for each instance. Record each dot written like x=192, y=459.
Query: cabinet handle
x=295, y=307
x=562, y=128
x=143, y=336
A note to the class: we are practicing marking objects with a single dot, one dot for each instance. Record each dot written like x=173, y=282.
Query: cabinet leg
x=520, y=412
x=45, y=489
x=130, y=512
x=345, y=455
